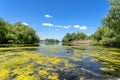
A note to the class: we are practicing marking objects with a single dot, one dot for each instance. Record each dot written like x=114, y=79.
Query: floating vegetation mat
x=59, y=63
x=29, y=66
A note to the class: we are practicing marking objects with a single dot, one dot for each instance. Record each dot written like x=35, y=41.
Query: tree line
x=16, y=33
x=109, y=33
x=74, y=37
x=51, y=40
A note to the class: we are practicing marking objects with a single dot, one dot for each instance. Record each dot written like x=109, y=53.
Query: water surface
x=60, y=63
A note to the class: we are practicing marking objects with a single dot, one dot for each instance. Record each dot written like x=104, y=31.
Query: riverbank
x=81, y=42
x=19, y=45
x=74, y=43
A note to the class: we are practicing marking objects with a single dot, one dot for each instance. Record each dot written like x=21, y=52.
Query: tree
x=51, y=40
x=67, y=38
x=81, y=36
x=74, y=37
x=109, y=33
x=25, y=34
x=3, y=31
x=17, y=33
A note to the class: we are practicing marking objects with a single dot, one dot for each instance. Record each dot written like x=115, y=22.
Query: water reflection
x=50, y=44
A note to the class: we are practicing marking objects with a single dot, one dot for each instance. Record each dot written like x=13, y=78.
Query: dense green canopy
x=109, y=33
x=74, y=37
x=17, y=33
x=51, y=40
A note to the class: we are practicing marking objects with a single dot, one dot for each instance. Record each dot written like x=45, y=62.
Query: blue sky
x=55, y=18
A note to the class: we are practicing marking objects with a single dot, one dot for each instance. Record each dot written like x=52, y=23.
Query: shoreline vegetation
x=76, y=39
x=51, y=41
x=74, y=43
x=19, y=45
x=81, y=42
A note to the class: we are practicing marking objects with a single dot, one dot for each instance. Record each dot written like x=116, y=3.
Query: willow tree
x=112, y=19
x=109, y=33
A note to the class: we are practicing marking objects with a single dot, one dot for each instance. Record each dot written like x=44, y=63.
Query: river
x=57, y=62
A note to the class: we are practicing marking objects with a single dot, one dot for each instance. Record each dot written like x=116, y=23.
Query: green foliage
x=3, y=30
x=74, y=37
x=109, y=33
x=17, y=33
x=51, y=40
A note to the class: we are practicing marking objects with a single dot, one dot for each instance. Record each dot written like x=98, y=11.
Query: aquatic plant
x=30, y=66
x=110, y=61
x=76, y=63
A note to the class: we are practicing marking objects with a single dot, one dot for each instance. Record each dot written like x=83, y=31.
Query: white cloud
x=25, y=24
x=48, y=16
x=76, y=26
x=66, y=27
x=47, y=24
x=80, y=27
x=83, y=27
